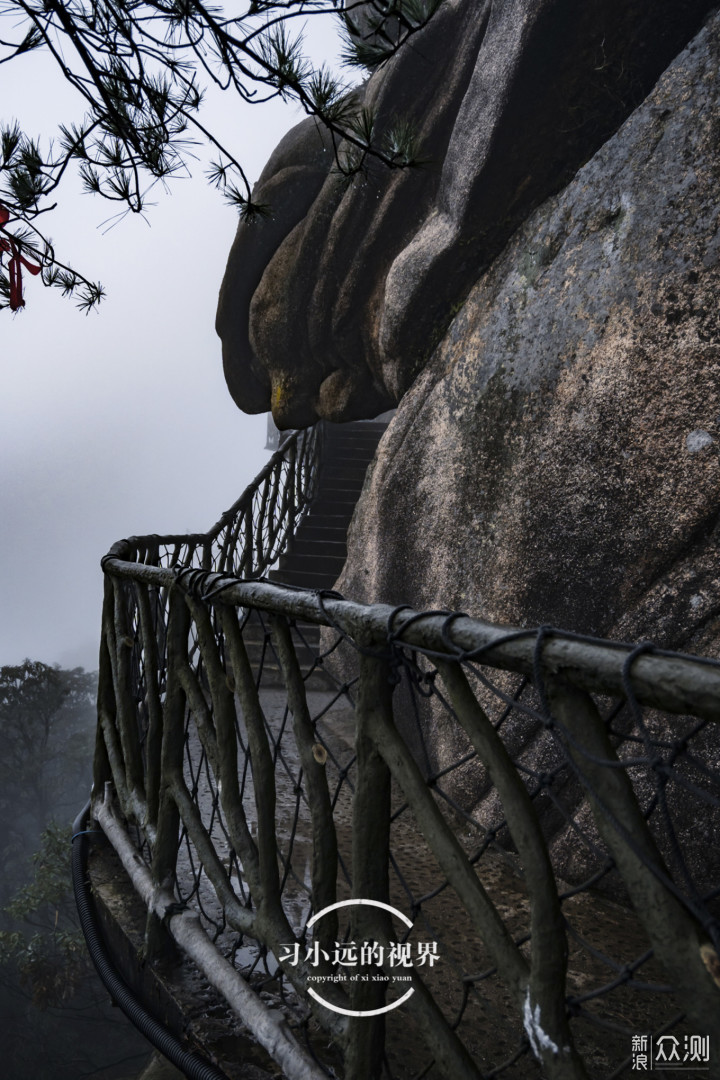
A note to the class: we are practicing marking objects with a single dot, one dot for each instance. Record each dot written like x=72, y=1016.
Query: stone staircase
x=317, y=552
x=316, y=555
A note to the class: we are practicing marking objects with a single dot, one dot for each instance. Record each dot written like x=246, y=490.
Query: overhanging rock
x=331, y=308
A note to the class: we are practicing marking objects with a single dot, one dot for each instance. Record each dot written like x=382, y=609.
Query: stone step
x=306, y=564
x=364, y=448
x=307, y=546
x=345, y=476
x=321, y=532
x=350, y=448
x=335, y=487
x=272, y=676
x=306, y=641
x=305, y=650
x=312, y=580
x=353, y=466
x=254, y=634
x=333, y=507
x=361, y=443
x=357, y=427
x=349, y=468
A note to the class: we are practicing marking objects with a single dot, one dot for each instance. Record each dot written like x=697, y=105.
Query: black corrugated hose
x=192, y=1065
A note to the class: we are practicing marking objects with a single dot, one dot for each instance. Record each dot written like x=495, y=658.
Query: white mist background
x=118, y=423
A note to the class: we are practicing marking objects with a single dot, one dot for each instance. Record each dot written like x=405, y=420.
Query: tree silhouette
x=141, y=69
x=58, y=1021
x=46, y=719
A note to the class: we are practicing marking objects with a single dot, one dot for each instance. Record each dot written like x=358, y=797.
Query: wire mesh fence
x=541, y=808
x=433, y=847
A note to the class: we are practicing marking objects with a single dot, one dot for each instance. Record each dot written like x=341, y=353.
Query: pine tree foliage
x=141, y=69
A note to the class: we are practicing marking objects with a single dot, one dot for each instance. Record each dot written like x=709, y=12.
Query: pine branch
x=137, y=66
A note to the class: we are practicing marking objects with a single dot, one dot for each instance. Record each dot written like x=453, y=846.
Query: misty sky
x=118, y=422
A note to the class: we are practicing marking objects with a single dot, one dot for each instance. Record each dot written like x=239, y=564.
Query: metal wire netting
x=540, y=811
x=615, y=987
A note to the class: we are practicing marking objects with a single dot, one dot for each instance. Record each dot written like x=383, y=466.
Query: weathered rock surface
x=558, y=462
x=289, y=183
x=562, y=446
x=350, y=288
x=555, y=454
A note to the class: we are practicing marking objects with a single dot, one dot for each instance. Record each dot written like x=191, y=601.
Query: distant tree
x=59, y=1022
x=49, y=948
x=57, y=1019
x=141, y=68
x=46, y=730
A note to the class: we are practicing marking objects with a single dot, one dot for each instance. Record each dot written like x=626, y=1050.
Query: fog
x=111, y=424
x=117, y=422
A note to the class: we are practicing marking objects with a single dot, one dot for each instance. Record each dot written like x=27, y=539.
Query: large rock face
x=558, y=460
x=555, y=454
x=332, y=308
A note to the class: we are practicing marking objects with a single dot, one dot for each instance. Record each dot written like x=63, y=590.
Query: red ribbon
x=16, y=263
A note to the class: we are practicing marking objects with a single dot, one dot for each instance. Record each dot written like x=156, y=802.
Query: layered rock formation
x=333, y=307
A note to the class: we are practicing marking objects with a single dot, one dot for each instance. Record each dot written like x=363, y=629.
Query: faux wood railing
x=530, y=800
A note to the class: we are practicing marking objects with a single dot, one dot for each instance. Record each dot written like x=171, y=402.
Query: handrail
x=263, y=809
x=250, y=535
x=662, y=679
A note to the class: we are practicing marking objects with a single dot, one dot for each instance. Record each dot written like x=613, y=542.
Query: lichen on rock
x=561, y=448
